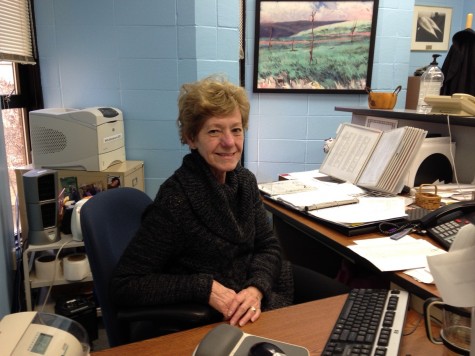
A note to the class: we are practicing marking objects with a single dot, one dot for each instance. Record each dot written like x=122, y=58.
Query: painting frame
x=326, y=48
x=431, y=27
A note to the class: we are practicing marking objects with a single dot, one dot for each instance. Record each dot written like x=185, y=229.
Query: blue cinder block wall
x=134, y=55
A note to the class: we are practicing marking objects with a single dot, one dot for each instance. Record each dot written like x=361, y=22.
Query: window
x=16, y=43
x=20, y=88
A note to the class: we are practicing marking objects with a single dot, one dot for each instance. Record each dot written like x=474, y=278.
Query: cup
x=455, y=326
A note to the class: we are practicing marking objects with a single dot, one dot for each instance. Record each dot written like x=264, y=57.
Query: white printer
x=89, y=139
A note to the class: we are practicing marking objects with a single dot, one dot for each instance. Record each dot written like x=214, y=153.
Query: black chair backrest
x=109, y=220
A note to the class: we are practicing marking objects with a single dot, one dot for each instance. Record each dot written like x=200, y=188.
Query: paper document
x=369, y=209
x=304, y=175
x=311, y=194
x=286, y=187
x=422, y=275
x=317, y=199
x=396, y=255
x=453, y=272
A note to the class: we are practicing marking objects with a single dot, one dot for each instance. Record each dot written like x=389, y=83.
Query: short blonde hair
x=213, y=96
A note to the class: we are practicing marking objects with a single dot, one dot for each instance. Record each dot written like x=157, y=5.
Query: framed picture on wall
x=431, y=28
x=314, y=46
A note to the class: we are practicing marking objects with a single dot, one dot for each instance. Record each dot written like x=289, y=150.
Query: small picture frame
x=113, y=182
x=431, y=28
x=381, y=123
x=91, y=189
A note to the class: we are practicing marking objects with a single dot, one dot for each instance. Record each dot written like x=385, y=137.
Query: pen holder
x=429, y=201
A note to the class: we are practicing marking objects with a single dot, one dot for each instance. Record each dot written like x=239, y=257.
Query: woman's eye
x=213, y=132
x=237, y=131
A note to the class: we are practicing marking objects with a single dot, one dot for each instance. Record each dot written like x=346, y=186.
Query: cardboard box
x=125, y=174
x=412, y=93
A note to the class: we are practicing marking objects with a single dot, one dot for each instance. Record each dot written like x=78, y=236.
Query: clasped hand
x=239, y=307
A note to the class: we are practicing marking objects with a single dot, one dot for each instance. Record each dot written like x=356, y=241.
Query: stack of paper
x=396, y=255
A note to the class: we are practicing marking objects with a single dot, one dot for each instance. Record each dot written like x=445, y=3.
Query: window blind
x=16, y=43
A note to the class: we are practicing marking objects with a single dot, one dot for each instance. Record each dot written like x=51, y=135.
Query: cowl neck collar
x=221, y=207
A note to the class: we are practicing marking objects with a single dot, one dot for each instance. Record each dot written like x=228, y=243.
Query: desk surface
x=339, y=243
x=308, y=325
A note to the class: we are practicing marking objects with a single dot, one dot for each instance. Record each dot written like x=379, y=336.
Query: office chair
x=311, y=285
x=109, y=220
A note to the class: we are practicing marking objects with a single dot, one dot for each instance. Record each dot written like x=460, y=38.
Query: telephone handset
x=458, y=104
x=443, y=224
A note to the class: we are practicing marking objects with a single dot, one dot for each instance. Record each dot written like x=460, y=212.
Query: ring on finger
x=253, y=309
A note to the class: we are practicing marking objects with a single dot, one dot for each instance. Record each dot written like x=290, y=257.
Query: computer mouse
x=265, y=349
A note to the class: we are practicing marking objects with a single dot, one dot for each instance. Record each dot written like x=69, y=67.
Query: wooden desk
x=304, y=238
x=307, y=325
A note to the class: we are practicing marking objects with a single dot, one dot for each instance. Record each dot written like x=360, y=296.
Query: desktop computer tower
x=41, y=200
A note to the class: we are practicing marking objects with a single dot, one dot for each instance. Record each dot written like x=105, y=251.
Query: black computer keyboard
x=370, y=323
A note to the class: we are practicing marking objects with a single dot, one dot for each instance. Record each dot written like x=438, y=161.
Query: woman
x=206, y=237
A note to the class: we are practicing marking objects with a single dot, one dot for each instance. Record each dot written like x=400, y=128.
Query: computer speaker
x=41, y=199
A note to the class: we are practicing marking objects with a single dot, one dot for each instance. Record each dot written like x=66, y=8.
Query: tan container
x=430, y=201
x=382, y=100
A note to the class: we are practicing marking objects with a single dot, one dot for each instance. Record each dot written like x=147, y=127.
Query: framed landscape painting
x=314, y=46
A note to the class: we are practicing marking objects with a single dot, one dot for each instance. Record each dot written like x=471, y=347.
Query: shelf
x=66, y=240
x=410, y=115
x=59, y=280
x=31, y=281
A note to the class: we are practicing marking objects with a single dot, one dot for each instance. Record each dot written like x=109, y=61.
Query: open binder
x=315, y=200
x=305, y=196
x=371, y=158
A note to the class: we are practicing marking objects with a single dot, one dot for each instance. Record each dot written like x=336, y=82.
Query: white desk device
x=457, y=104
x=33, y=333
x=76, y=230
x=88, y=139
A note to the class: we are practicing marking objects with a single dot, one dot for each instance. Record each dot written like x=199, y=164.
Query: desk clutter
x=370, y=322
x=395, y=216
x=344, y=206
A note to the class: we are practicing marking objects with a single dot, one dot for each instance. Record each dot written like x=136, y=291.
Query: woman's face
x=220, y=142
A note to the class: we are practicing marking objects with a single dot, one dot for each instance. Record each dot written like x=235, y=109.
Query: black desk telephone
x=443, y=224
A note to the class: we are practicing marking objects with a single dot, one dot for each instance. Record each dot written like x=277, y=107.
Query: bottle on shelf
x=431, y=82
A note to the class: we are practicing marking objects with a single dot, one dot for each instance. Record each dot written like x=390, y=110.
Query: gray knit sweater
x=197, y=231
